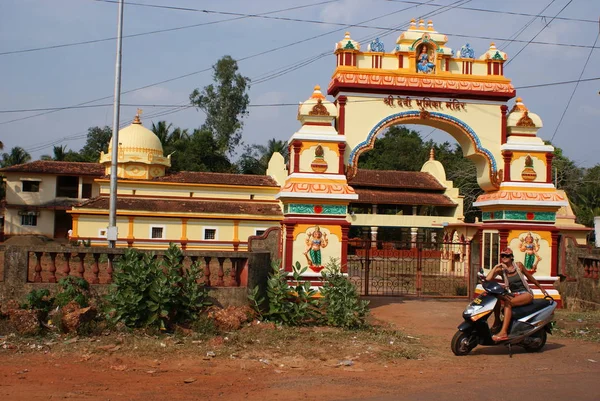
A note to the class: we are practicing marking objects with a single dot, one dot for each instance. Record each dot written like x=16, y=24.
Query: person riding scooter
x=514, y=274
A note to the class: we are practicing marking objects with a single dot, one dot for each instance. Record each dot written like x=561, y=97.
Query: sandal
x=495, y=329
x=498, y=338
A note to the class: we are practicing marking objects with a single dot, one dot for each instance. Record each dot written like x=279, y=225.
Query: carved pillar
x=503, y=239
x=341, y=150
x=297, y=145
x=503, y=111
x=289, y=247
x=342, y=115
x=507, y=156
x=554, y=262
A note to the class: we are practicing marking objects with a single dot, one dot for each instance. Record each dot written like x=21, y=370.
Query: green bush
x=295, y=303
x=341, y=303
x=73, y=288
x=39, y=300
x=150, y=293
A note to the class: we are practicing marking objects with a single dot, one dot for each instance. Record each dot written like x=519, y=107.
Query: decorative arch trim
x=418, y=115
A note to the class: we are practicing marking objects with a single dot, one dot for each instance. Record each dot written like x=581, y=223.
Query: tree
x=200, y=154
x=586, y=201
x=17, y=155
x=255, y=159
x=175, y=141
x=97, y=141
x=225, y=104
x=60, y=153
x=398, y=149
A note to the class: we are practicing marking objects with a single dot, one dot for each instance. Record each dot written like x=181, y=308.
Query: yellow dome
x=140, y=153
x=138, y=139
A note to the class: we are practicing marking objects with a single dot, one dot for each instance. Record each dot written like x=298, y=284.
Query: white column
x=413, y=236
x=373, y=237
x=80, y=188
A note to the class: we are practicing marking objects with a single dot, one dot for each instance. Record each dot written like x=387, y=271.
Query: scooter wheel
x=536, y=341
x=461, y=343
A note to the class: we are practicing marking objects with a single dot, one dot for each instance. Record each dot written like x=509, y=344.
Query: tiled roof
x=229, y=206
x=195, y=177
x=402, y=198
x=54, y=167
x=395, y=179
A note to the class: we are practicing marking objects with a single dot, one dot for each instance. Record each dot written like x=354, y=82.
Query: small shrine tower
x=315, y=194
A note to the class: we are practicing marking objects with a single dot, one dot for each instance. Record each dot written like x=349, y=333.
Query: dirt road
x=566, y=369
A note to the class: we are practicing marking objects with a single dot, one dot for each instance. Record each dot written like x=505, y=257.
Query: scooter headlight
x=472, y=309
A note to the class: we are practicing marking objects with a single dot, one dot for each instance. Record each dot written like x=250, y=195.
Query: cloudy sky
x=61, y=53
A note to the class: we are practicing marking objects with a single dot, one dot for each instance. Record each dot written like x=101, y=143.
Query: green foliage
x=292, y=304
x=255, y=159
x=295, y=303
x=149, y=293
x=341, y=302
x=39, y=300
x=17, y=155
x=96, y=142
x=73, y=288
x=225, y=104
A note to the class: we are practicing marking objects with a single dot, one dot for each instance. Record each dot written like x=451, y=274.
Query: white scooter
x=529, y=325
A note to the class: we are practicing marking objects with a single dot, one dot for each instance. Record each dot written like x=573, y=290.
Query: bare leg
x=521, y=299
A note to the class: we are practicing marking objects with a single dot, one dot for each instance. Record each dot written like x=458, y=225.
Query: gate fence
x=419, y=269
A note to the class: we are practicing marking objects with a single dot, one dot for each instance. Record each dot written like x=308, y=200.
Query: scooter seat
x=522, y=311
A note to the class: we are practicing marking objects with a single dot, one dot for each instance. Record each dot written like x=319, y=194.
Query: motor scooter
x=529, y=324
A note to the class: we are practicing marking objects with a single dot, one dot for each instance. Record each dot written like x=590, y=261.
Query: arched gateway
x=421, y=81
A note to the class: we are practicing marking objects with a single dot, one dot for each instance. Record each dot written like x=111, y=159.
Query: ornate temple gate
x=413, y=269
x=420, y=81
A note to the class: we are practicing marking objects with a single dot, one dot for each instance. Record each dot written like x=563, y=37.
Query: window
x=31, y=186
x=157, y=232
x=29, y=220
x=67, y=186
x=102, y=233
x=210, y=233
x=491, y=249
x=86, y=191
x=259, y=231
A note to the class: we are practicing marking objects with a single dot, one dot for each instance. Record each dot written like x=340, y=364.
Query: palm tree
x=17, y=155
x=167, y=137
x=256, y=158
x=60, y=154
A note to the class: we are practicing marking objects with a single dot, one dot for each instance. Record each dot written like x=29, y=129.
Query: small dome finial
x=317, y=94
x=136, y=119
x=432, y=154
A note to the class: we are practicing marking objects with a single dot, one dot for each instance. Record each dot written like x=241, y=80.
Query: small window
x=102, y=233
x=259, y=231
x=157, y=232
x=210, y=233
x=86, y=191
x=29, y=220
x=31, y=186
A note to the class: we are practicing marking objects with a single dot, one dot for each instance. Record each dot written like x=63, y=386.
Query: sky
x=285, y=47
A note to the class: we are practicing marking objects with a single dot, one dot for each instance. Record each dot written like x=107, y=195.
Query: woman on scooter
x=514, y=274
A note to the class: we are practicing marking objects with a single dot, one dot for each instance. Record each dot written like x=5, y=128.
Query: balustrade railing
x=97, y=265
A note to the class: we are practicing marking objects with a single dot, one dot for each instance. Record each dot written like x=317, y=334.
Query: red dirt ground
x=566, y=369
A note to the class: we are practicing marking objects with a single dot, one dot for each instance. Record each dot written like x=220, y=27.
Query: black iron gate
x=412, y=269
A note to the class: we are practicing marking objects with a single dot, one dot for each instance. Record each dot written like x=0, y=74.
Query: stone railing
x=23, y=268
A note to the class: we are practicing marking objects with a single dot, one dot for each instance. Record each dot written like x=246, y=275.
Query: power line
x=540, y=31
x=239, y=16
x=574, y=90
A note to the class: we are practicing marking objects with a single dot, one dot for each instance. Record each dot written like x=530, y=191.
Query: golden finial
x=317, y=94
x=136, y=119
x=431, y=154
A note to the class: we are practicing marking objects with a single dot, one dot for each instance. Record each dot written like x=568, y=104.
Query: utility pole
x=112, y=232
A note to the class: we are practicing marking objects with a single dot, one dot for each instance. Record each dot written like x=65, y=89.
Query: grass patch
x=578, y=325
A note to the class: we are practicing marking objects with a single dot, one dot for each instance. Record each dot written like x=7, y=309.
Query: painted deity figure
x=424, y=63
x=315, y=240
x=530, y=246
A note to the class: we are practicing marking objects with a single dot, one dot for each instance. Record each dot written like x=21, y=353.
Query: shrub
x=39, y=300
x=341, y=302
x=149, y=293
x=73, y=288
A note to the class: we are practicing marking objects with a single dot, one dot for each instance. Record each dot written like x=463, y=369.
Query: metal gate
x=411, y=269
